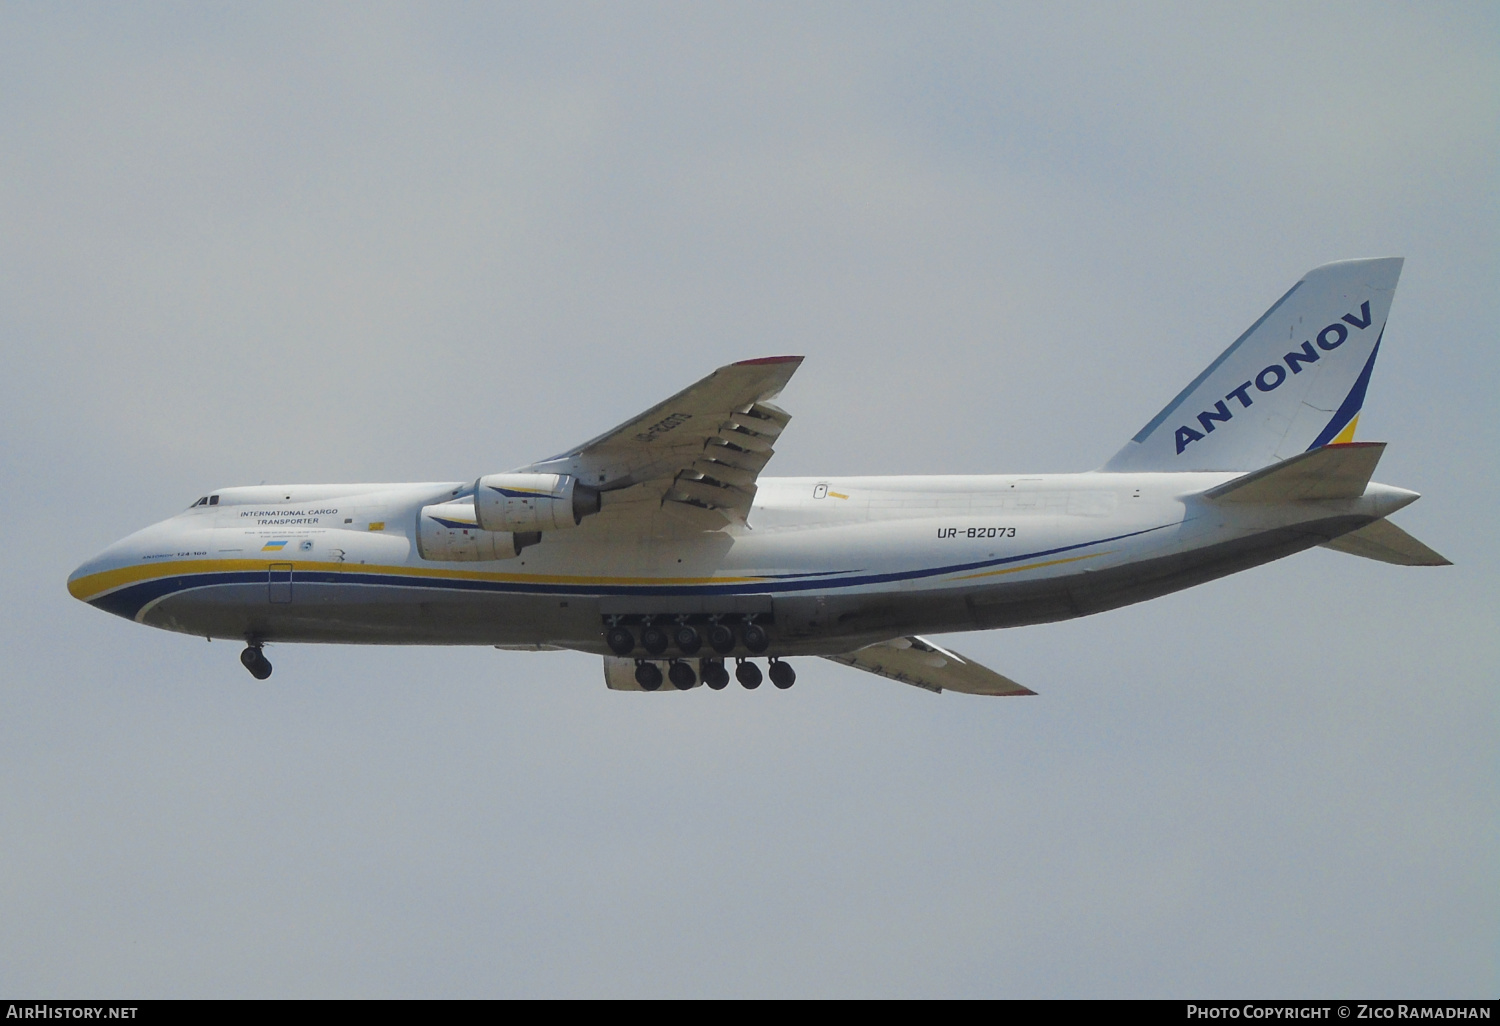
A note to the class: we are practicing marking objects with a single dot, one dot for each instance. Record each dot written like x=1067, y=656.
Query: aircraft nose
x=78, y=580
x=98, y=575
x=94, y=576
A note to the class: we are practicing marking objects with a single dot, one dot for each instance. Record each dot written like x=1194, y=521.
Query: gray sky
x=294, y=243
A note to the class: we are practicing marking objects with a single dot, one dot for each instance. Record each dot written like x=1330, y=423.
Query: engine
x=449, y=532
x=532, y=502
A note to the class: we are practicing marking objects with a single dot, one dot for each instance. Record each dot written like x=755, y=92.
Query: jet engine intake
x=532, y=502
x=449, y=532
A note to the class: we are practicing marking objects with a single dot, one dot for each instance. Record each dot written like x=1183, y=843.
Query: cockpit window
x=213, y=500
x=201, y=502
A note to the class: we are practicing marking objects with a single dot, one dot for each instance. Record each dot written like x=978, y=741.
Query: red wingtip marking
x=769, y=359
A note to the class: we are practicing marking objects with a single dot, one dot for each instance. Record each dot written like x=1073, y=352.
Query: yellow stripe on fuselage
x=1029, y=566
x=94, y=585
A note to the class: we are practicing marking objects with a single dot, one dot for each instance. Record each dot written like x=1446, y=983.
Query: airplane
x=659, y=546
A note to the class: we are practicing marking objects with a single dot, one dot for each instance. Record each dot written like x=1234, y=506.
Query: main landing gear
x=647, y=675
x=782, y=674
x=657, y=635
x=255, y=661
x=715, y=674
x=748, y=674
x=685, y=648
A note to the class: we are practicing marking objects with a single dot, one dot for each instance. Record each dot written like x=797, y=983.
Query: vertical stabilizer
x=1294, y=381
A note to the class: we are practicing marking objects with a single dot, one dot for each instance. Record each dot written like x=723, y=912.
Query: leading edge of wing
x=921, y=663
x=776, y=381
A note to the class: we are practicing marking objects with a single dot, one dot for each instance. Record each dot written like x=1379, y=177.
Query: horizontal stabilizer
x=920, y=663
x=1386, y=542
x=1332, y=472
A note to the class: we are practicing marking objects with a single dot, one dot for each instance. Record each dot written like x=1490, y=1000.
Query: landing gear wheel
x=714, y=674
x=647, y=675
x=254, y=660
x=620, y=640
x=681, y=675
x=755, y=637
x=687, y=639
x=654, y=640
x=721, y=639
x=782, y=674
x=748, y=674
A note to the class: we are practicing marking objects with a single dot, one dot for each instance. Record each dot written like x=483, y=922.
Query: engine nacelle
x=449, y=532
x=532, y=502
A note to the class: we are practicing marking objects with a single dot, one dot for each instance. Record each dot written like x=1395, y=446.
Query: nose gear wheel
x=254, y=660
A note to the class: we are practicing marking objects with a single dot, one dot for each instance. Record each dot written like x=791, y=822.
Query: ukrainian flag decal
x=274, y=546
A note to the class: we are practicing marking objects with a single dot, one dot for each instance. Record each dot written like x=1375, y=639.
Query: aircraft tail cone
x=1387, y=499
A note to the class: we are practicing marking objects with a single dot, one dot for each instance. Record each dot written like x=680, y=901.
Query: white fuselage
x=828, y=564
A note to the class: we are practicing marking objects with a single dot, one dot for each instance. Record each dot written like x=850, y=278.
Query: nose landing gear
x=254, y=660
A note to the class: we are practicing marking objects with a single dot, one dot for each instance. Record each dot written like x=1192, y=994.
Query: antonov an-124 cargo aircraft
x=660, y=546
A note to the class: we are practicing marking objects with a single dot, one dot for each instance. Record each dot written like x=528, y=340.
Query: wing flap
x=758, y=420
x=1386, y=542
x=721, y=451
x=723, y=472
x=920, y=663
x=706, y=492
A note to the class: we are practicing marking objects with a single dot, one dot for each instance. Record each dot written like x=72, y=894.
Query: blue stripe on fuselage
x=129, y=600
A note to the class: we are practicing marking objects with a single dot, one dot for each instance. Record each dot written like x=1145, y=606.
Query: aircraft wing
x=698, y=453
x=922, y=664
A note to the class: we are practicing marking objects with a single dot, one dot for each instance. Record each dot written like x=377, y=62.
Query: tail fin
x=1294, y=381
